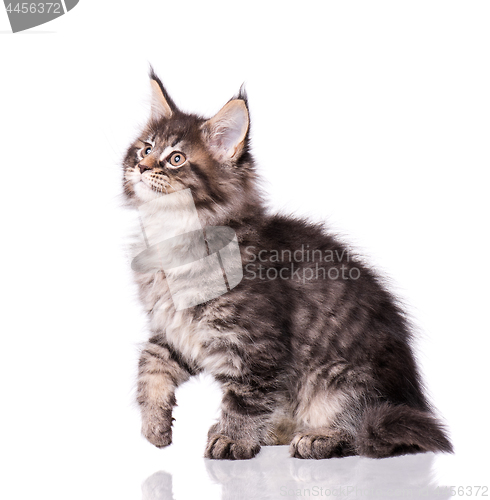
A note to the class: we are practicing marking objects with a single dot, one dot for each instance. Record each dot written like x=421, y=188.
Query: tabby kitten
x=310, y=348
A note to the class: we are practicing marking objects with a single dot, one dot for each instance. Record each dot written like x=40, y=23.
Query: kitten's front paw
x=157, y=430
x=223, y=448
x=318, y=446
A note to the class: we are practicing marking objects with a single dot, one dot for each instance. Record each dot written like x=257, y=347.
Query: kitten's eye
x=146, y=151
x=176, y=159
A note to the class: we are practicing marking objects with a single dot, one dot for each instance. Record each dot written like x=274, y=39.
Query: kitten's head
x=177, y=150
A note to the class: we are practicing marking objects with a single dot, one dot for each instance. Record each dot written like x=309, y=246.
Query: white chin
x=144, y=192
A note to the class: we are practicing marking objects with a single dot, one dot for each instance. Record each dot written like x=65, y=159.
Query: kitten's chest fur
x=192, y=337
x=178, y=327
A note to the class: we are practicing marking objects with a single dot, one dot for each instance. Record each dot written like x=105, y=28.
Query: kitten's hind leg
x=324, y=430
x=322, y=443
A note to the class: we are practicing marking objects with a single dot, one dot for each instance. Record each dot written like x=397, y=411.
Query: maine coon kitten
x=310, y=349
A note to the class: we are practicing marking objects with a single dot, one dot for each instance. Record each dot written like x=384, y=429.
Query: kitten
x=309, y=347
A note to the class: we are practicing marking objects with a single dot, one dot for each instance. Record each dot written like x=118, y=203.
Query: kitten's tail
x=388, y=430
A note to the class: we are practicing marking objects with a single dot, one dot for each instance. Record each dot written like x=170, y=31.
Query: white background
x=371, y=115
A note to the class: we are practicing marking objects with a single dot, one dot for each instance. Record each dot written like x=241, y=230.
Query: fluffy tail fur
x=388, y=430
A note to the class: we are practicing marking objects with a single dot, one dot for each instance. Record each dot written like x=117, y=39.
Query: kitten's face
x=169, y=156
x=178, y=151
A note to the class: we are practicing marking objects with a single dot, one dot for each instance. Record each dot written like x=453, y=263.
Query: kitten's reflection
x=275, y=475
x=158, y=487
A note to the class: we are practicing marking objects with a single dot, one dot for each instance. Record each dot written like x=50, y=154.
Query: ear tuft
x=162, y=105
x=242, y=94
x=228, y=129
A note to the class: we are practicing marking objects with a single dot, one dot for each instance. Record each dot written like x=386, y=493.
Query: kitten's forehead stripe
x=148, y=140
x=166, y=152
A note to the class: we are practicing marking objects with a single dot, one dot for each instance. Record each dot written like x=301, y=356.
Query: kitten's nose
x=143, y=167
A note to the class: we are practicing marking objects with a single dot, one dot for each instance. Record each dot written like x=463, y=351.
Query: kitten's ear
x=227, y=130
x=162, y=105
